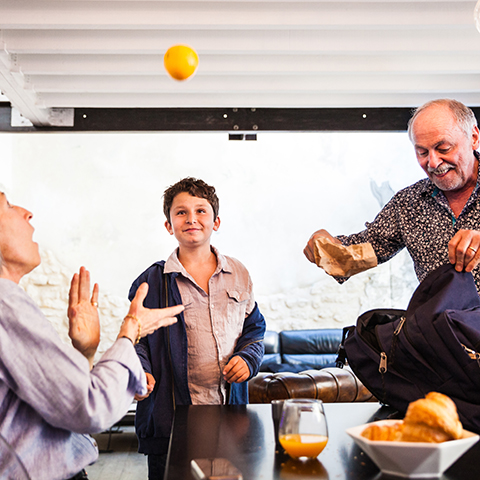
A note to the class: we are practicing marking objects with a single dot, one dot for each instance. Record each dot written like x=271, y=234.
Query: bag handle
x=341, y=360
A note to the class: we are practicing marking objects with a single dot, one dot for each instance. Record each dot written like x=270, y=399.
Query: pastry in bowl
x=423, y=445
x=391, y=432
x=433, y=419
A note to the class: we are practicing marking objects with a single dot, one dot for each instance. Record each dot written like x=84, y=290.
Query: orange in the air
x=180, y=61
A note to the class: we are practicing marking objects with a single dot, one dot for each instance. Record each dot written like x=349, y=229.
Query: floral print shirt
x=420, y=219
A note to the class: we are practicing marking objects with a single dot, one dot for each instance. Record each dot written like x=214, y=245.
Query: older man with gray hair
x=438, y=218
x=51, y=394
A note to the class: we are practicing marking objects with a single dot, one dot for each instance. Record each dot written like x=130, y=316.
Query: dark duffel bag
x=401, y=355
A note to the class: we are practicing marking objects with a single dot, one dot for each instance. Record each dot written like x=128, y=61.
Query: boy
x=217, y=343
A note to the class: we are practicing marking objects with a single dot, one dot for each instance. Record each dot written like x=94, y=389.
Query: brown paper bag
x=340, y=261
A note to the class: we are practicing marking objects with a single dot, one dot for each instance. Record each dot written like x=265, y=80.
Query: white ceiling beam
x=284, y=84
x=247, y=2
x=50, y=14
x=237, y=42
x=241, y=64
x=259, y=100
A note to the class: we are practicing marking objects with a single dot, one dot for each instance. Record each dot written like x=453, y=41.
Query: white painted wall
x=97, y=201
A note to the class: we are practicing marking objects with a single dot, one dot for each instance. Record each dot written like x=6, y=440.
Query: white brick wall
x=49, y=284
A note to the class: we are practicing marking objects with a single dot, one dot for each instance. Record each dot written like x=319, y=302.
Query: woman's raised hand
x=84, y=325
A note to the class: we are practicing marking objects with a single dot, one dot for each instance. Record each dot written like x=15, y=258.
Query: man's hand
x=463, y=250
x=236, y=370
x=310, y=248
x=150, y=385
x=84, y=325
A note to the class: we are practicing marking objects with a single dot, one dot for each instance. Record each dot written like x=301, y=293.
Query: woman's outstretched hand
x=141, y=321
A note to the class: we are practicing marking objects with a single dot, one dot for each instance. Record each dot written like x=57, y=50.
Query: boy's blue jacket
x=164, y=355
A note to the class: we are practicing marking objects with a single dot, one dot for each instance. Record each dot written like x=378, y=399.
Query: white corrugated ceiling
x=60, y=54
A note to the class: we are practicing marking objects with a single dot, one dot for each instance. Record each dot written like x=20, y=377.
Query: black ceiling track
x=225, y=120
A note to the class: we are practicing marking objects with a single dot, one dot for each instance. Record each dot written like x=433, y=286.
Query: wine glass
x=303, y=428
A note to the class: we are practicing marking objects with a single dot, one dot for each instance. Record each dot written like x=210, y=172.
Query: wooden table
x=244, y=434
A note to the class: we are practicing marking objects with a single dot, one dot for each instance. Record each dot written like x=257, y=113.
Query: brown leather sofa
x=329, y=384
x=312, y=353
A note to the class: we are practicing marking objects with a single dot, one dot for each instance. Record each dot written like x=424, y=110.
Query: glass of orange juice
x=303, y=428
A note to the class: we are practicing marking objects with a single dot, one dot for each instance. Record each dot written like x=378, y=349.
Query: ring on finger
x=471, y=248
x=95, y=304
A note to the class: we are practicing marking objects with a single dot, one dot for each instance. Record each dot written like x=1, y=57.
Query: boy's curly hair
x=196, y=188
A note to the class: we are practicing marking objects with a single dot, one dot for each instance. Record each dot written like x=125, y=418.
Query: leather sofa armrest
x=329, y=385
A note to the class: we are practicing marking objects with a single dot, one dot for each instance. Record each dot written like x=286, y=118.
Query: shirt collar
x=173, y=265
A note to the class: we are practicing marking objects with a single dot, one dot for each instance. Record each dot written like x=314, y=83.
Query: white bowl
x=412, y=459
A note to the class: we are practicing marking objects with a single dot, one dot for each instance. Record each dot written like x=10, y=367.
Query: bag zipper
x=383, y=365
x=382, y=368
x=399, y=326
x=472, y=354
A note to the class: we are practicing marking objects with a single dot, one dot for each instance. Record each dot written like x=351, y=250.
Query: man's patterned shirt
x=420, y=219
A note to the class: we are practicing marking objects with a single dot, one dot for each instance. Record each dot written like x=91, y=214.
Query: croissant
x=431, y=419
x=384, y=432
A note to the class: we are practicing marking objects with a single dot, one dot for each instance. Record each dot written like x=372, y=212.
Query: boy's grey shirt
x=164, y=354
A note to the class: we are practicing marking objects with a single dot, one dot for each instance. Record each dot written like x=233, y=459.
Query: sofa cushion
x=271, y=362
x=286, y=367
x=271, y=341
x=319, y=340
x=316, y=348
x=272, y=357
x=319, y=360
